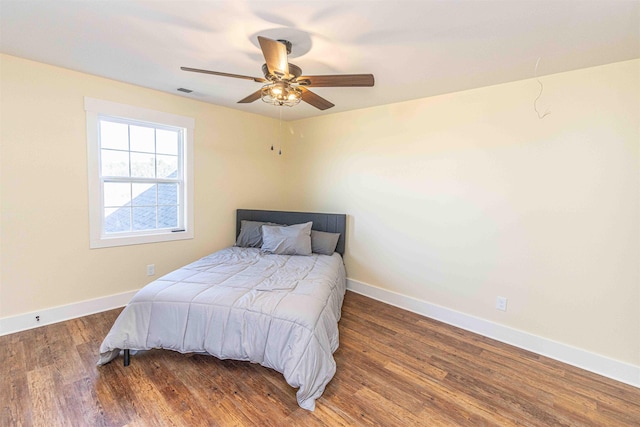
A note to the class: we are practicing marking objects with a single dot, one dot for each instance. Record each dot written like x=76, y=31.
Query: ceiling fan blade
x=316, y=100
x=275, y=54
x=217, y=73
x=253, y=97
x=340, y=80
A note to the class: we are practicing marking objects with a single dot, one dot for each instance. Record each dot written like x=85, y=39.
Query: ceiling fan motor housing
x=294, y=72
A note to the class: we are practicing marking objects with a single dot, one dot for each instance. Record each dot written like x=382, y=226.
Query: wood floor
x=395, y=368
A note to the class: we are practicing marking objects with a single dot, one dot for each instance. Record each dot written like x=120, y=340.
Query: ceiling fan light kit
x=281, y=94
x=285, y=83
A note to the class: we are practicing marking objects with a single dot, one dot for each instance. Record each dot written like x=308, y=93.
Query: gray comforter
x=277, y=310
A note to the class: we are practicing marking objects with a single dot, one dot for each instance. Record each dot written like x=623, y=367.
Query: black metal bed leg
x=126, y=357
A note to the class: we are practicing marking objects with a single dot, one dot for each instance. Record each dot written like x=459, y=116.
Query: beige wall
x=459, y=198
x=45, y=255
x=453, y=199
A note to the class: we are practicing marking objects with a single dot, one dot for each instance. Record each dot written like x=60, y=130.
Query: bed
x=258, y=301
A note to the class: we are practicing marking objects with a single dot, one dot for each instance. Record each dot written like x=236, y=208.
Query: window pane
x=142, y=139
x=143, y=165
x=167, y=216
x=167, y=141
x=115, y=163
x=117, y=220
x=114, y=135
x=167, y=166
x=167, y=194
x=144, y=218
x=143, y=195
x=117, y=194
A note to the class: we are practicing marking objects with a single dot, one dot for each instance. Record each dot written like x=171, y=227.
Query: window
x=140, y=175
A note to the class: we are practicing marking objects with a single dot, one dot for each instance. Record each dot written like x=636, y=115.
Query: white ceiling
x=415, y=49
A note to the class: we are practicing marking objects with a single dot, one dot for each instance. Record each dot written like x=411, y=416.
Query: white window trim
x=96, y=107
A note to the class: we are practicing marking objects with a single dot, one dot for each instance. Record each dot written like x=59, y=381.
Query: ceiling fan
x=284, y=82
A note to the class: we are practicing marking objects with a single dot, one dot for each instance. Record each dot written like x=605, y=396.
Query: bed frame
x=331, y=223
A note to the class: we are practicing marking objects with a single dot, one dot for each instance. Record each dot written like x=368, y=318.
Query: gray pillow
x=324, y=243
x=251, y=233
x=291, y=240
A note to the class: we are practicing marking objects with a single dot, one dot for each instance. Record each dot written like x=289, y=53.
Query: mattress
x=239, y=303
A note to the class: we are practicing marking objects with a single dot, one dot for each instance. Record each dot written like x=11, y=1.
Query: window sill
x=141, y=239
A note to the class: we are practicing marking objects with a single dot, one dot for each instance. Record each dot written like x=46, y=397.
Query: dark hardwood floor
x=395, y=368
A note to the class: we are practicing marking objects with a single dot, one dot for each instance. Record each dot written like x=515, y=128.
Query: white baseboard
x=47, y=316
x=614, y=369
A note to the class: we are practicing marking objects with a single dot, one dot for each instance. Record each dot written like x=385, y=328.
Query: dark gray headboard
x=332, y=223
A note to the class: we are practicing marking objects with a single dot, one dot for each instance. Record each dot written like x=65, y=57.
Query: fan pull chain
x=280, y=149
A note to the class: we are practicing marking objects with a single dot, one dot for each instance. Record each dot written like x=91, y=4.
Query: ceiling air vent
x=181, y=89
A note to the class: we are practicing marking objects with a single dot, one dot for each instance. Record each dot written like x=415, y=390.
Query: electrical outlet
x=501, y=303
x=151, y=269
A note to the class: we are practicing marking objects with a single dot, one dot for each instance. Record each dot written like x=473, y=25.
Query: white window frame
x=96, y=108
